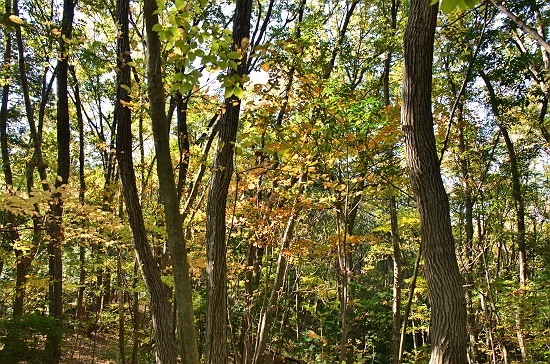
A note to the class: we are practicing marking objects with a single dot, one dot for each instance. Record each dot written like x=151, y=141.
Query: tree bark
x=160, y=311
x=55, y=231
x=446, y=294
x=216, y=244
x=168, y=192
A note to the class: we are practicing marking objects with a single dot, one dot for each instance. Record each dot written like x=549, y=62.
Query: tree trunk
x=63, y=166
x=469, y=241
x=24, y=259
x=160, y=312
x=121, y=320
x=269, y=306
x=81, y=194
x=12, y=234
x=168, y=192
x=412, y=287
x=520, y=210
x=396, y=308
x=216, y=244
x=446, y=294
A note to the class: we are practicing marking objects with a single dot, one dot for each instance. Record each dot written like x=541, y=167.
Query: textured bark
x=168, y=192
x=216, y=264
x=446, y=294
x=160, y=309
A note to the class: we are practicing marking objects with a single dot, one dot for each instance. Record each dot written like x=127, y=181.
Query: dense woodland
x=275, y=181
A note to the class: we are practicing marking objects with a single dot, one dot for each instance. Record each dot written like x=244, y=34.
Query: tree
x=216, y=248
x=165, y=353
x=448, y=318
x=63, y=167
x=168, y=193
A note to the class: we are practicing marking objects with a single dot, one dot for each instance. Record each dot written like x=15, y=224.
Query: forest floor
x=98, y=348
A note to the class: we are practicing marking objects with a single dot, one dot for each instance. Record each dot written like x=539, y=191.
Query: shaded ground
x=100, y=348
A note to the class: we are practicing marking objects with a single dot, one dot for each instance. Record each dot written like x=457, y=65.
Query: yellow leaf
x=265, y=67
x=312, y=334
x=16, y=19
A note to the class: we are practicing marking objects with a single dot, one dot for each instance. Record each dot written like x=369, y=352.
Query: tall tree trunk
x=520, y=210
x=121, y=320
x=216, y=244
x=135, y=315
x=469, y=241
x=396, y=250
x=24, y=259
x=396, y=307
x=269, y=306
x=63, y=165
x=160, y=311
x=448, y=309
x=81, y=194
x=168, y=192
x=412, y=287
x=12, y=235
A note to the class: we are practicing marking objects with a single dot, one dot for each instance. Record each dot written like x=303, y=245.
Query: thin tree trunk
x=520, y=211
x=24, y=259
x=81, y=194
x=446, y=294
x=168, y=192
x=408, y=309
x=531, y=32
x=12, y=234
x=160, y=312
x=396, y=307
x=121, y=320
x=135, y=315
x=269, y=306
x=469, y=242
x=216, y=243
x=63, y=166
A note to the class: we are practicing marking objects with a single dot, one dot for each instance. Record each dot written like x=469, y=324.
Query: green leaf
x=234, y=55
x=180, y=4
x=157, y=27
x=447, y=6
x=214, y=47
x=125, y=87
x=229, y=92
x=238, y=92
